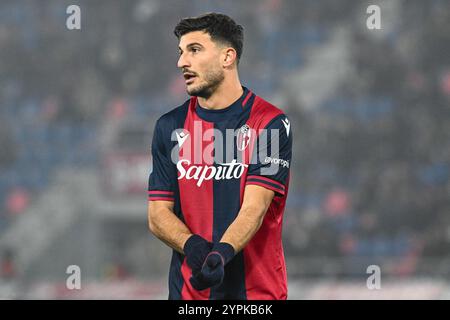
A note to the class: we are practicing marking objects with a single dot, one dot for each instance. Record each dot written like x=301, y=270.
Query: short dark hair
x=219, y=26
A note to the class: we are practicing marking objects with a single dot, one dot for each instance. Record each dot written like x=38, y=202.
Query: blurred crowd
x=374, y=161
x=370, y=174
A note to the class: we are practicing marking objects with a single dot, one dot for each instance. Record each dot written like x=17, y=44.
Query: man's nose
x=182, y=61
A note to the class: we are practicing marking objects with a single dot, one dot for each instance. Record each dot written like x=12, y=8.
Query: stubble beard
x=213, y=79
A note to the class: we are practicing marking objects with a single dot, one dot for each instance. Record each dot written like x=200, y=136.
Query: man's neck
x=223, y=97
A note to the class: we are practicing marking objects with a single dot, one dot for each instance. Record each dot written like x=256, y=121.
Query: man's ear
x=229, y=57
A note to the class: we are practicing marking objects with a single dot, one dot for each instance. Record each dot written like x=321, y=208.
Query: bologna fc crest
x=243, y=137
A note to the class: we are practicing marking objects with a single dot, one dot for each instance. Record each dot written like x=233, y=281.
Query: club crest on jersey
x=243, y=137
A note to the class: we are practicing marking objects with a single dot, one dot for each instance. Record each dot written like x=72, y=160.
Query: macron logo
x=181, y=137
x=287, y=125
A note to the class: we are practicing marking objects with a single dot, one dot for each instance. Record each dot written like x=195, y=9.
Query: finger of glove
x=212, y=276
x=197, y=283
x=207, y=277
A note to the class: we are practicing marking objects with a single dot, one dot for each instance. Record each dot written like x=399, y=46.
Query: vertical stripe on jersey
x=224, y=205
x=234, y=282
x=258, y=254
x=196, y=201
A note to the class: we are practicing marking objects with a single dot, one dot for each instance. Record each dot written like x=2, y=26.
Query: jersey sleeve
x=271, y=157
x=162, y=179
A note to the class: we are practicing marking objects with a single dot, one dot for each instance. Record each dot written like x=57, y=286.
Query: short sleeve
x=271, y=157
x=162, y=179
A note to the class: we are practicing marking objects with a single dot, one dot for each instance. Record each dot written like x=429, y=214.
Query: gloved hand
x=196, y=249
x=213, y=269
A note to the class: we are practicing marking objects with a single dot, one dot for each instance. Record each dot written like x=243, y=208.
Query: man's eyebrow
x=190, y=45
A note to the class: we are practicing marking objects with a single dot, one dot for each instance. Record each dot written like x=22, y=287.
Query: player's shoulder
x=265, y=108
x=175, y=117
x=267, y=112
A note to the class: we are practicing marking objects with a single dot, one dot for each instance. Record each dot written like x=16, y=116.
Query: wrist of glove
x=213, y=268
x=196, y=250
x=225, y=250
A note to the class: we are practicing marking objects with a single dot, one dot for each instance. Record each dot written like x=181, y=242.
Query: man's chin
x=191, y=91
x=197, y=92
x=204, y=90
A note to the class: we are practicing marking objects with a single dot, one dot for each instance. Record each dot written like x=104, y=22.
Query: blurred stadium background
x=370, y=111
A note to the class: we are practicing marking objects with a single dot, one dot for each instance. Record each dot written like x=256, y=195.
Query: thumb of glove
x=213, y=261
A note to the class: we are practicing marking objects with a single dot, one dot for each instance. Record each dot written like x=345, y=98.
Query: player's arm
x=166, y=226
x=254, y=207
x=162, y=220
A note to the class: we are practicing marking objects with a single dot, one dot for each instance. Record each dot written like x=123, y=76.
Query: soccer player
x=220, y=208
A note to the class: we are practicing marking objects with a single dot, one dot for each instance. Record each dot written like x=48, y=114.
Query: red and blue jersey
x=202, y=161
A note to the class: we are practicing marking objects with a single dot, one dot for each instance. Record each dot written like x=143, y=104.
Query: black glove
x=213, y=269
x=196, y=249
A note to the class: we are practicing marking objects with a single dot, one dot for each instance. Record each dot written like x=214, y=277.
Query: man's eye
x=195, y=50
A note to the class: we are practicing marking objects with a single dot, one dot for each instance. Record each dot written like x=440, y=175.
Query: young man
x=218, y=198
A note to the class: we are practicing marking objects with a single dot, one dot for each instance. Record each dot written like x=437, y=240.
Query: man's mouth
x=189, y=77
